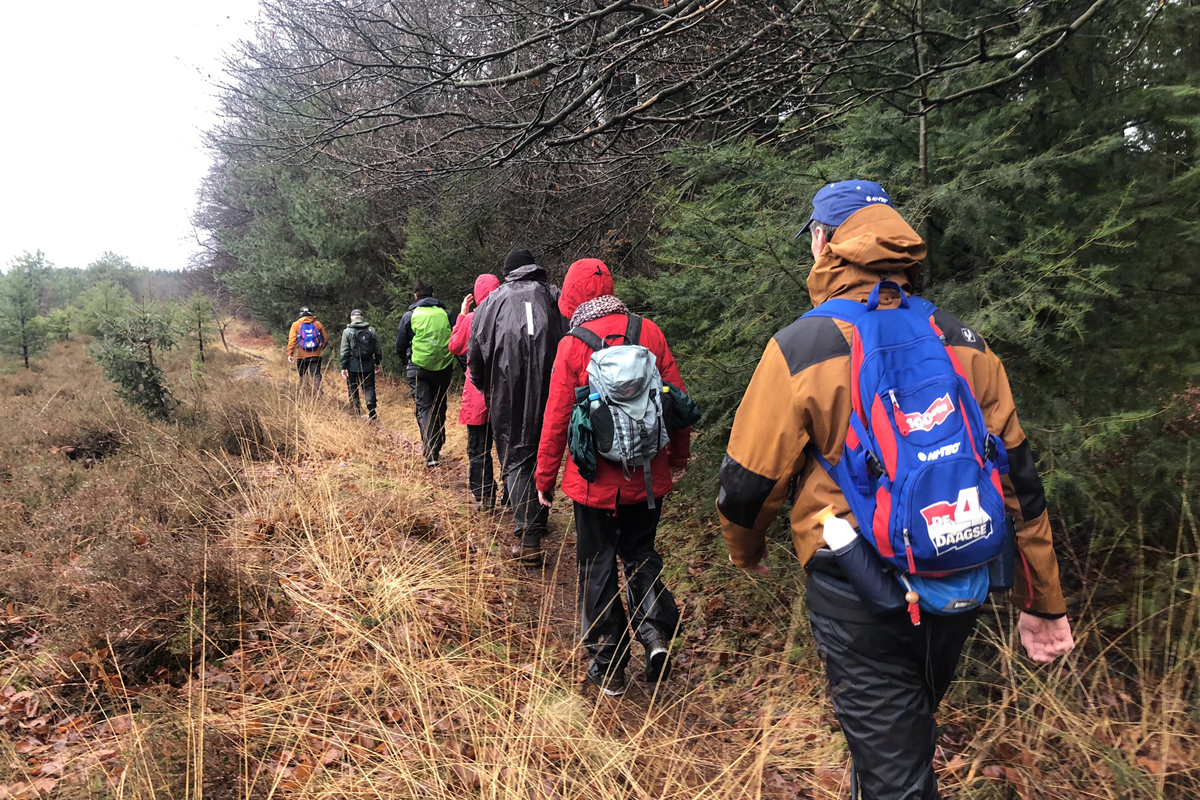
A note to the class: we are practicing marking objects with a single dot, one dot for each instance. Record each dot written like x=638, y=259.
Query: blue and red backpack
x=309, y=337
x=919, y=468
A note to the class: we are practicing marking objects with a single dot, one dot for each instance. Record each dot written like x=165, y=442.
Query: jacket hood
x=358, y=323
x=484, y=285
x=307, y=318
x=426, y=301
x=873, y=244
x=587, y=279
x=529, y=272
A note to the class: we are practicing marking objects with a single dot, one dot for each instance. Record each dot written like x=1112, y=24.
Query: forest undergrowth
x=270, y=597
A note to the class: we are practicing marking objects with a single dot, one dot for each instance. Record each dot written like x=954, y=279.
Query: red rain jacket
x=473, y=410
x=587, y=279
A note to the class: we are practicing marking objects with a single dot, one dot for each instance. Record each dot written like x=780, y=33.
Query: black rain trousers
x=481, y=472
x=309, y=370
x=430, y=391
x=530, y=517
x=601, y=537
x=886, y=678
x=362, y=383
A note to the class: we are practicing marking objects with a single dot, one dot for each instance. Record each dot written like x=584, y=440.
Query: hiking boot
x=608, y=679
x=658, y=657
x=530, y=555
x=431, y=463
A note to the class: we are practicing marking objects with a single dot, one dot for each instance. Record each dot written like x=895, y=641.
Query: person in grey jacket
x=514, y=337
x=361, y=358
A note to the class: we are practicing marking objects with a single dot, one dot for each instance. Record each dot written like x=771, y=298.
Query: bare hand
x=546, y=498
x=291, y=359
x=677, y=474
x=346, y=374
x=467, y=303
x=1045, y=639
x=761, y=569
x=378, y=368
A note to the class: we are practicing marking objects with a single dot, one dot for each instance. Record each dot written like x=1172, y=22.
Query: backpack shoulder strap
x=590, y=338
x=839, y=308
x=633, y=330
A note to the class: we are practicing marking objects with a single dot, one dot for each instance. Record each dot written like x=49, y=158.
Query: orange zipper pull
x=913, y=599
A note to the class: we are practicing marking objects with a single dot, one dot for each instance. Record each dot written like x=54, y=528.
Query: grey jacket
x=349, y=356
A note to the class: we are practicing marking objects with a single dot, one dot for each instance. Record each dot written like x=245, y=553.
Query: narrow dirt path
x=555, y=603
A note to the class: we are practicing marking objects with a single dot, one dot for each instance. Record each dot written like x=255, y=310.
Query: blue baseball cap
x=837, y=201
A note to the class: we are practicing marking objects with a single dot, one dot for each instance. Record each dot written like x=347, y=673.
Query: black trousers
x=886, y=678
x=363, y=382
x=309, y=370
x=481, y=475
x=430, y=391
x=530, y=516
x=603, y=536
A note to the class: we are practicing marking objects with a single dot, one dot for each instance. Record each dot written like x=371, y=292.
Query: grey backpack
x=625, y=403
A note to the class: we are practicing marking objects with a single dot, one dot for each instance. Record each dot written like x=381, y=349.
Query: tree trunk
x=923, y=137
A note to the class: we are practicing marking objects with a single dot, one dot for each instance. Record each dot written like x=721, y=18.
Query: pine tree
x=22, y=329
x=198, y=321
x=127, y=357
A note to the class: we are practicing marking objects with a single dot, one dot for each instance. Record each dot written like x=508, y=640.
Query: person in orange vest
x=306, y=342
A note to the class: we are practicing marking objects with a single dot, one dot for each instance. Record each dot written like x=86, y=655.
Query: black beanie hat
x=519, y=257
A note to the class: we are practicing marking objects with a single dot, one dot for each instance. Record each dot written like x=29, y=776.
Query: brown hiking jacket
x=293, y=349
x=800, y=395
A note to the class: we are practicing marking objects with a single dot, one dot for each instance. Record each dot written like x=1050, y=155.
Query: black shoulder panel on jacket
x=742, y=494
x=809, y=341
x=1022, y=471
x=958, y=334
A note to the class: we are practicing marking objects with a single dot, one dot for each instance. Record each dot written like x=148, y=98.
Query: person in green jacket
x=361, y=358
x=423, y=345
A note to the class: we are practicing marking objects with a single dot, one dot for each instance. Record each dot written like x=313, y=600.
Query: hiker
x=473, y=412
x=511, y=351
x=423, y=347
x=889, y=659
x=615, y=516
x=361, y=358
x=306, y=341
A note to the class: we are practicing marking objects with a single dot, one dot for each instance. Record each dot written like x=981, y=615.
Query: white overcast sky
x=104, y=107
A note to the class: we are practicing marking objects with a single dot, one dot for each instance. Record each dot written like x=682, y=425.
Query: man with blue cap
x=886, y=673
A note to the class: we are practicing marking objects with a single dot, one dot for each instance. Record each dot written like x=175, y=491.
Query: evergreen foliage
x=22, y=328
x=1059, y=217
x=127, y=357
x=104, y=301
x=58, y=325
x=304, y=244
x=198, y=322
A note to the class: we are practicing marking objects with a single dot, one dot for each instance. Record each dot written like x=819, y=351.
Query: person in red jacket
x=474, y=413
x=612, y=517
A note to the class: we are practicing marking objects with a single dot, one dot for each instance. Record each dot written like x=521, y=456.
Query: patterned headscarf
x=596, y=308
